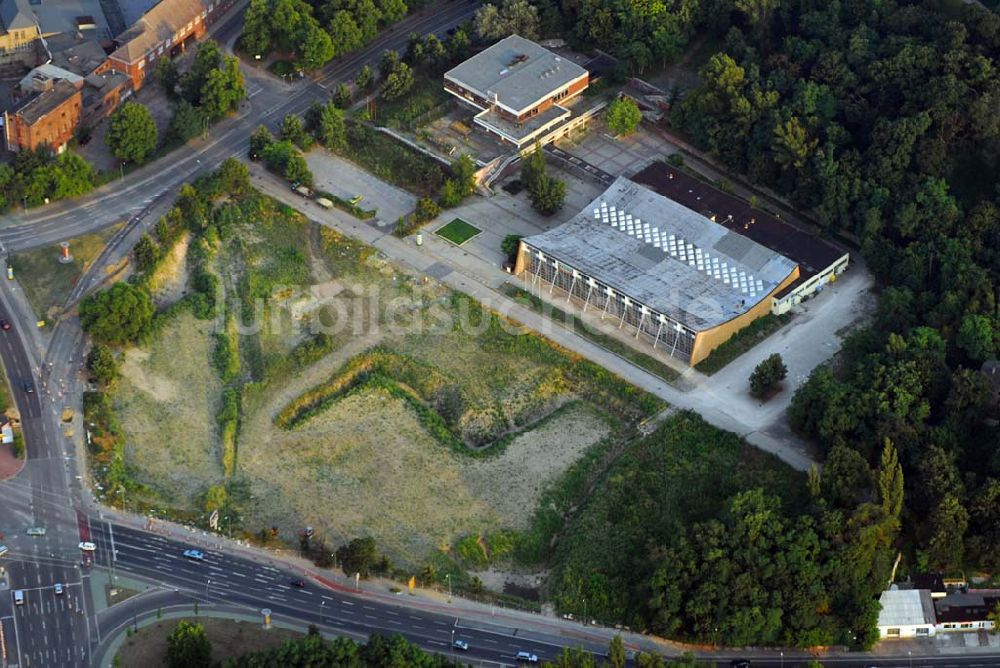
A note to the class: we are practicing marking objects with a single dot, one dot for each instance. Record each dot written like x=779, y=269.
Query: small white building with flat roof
x=906, y=613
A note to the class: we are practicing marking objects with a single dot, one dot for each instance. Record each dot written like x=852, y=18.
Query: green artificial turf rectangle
x=458, y=231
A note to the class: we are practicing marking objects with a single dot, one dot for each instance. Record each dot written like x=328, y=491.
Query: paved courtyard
x=624, y=156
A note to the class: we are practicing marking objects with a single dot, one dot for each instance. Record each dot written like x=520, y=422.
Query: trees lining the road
x=313, y=33
x=36, y=176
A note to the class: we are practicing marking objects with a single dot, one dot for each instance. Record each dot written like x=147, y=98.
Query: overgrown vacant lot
x=338, y=392
x=166, y=402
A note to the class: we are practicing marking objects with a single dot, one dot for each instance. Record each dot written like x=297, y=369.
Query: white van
x=18, y=597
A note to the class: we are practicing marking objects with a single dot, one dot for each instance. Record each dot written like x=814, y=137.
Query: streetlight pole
x=121, y=490
x=584, y=612
x=782, y=660
x=208, y=581
x=121, y=168
x=909, y=653
x=447, y=577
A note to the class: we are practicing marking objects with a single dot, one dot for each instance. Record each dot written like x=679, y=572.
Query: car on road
x=298, y=583
x=3, y=550
x=18, y=597
x=4, y=325
x=36, y=531
x=462, y=645
x=58, y=588
x=87, y=546
x=739, y=663
x=197, y=555
x=28, y=387
x=526, y=657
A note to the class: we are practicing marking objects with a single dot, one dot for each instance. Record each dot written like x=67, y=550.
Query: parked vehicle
x=302, y=190
x=3, y=550
x=324, y=202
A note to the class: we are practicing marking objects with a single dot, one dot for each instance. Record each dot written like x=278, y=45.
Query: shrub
x=767, y=376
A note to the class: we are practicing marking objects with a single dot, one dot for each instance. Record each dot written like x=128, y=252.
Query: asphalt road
x=268, y=103
x=48, y=629
x=251, y=586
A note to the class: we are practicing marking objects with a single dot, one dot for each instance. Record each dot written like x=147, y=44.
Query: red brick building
x=519, y=87
x=167, y=28
x=48, y=118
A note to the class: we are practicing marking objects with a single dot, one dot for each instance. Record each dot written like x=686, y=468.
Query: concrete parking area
x=346, y=180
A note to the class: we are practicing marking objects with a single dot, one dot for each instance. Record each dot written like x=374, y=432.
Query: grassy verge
x=48, y=282
x=742, y=341
x=5, y=398
x=610, y=343
x=393, y=161
x=426, y=100
x=457, y=231
x=229, y=638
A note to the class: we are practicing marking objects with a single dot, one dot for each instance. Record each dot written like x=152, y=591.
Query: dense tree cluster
x=314, y=32
x=881, y=118
x=37, y=176
x=743, y=555
x=121, y=314
x=207, y=92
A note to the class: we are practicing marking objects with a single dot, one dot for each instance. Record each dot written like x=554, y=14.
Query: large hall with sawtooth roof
x=656, y=269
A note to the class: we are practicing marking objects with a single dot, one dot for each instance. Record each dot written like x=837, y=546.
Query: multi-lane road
x=52, y=629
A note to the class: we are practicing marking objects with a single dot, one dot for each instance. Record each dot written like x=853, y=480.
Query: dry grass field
x=368, y=462
x=166, y=402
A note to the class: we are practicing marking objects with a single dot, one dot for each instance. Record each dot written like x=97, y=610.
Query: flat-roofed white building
x=906, y=613
x=519, y=88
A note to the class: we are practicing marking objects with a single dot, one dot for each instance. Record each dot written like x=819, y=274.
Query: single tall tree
x=132, y=134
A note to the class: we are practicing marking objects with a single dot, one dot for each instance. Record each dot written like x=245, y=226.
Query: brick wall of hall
x=55, y=129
